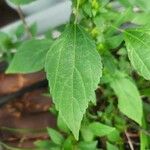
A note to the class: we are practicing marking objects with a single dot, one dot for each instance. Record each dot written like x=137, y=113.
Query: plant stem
x=24, y=22
x=121, y=30
x=129, y=140
x=77, y=12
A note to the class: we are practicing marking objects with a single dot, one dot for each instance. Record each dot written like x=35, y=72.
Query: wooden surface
x=29, y=110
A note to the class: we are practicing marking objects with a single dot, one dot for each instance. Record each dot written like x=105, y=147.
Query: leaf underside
x=73, y=68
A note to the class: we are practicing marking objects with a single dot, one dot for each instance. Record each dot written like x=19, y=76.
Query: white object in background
x=46, y=19
x=35, y=6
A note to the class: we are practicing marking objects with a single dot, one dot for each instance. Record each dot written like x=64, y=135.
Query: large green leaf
x=30, y=56
x=138, y=46
x=21, y=2
x=73, y=68
x=129, y=101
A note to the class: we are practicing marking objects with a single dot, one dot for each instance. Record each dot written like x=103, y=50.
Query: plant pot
x=34, y=7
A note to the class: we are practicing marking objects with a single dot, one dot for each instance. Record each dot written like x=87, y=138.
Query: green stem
x=24, y=22
x=121, y=30
x=77, y=12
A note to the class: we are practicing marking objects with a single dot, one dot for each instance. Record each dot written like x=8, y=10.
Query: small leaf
x=46, y=145
x=129, y=101
x=87, y=134
x=145, y=91
x=30, y=57
x=88, y=145
x=144, y=139
x=100, y=129
x=114, y=136
x=33, y=29
x=21, y=2
x=4, y=38
x=87, y=8
x=67, y=144
x=114, y=41
x=111, y=147
x=55, y=136
x=20, y=31
x=73, y=68
x=5, y=42
x=138, y=46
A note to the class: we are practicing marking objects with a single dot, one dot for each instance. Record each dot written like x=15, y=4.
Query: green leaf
x=127, y=3
x=138, y=46
x=4, y=38
x=144, y=139
x=114, y=136
x=5, y=42
x=44, y=145
x=114, y=41
x=87, y=134
x=88, y=145
x=30, y=57
x=20, y=31
x=129, y=101
x=67, y=144
x=145, y=91
x=111, y=147
x=100, y=129
x=73, y=68
x=62, y=125
x=141, y=18
x=33, y=29
x=21, y=2
x=143, y=4
x=87, y=8
x=55, y=136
